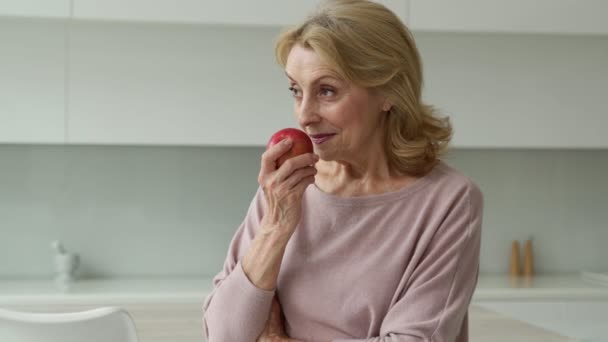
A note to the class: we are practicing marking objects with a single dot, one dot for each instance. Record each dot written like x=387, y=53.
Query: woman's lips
x=318, y=139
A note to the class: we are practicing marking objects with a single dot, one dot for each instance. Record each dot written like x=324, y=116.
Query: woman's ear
x=386, y=106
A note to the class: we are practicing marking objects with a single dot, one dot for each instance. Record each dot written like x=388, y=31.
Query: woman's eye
x=295, y=92
x=326, y=91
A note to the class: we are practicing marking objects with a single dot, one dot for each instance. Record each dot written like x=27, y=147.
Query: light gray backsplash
x=126, y=210
x=559, y=197
x=133, y=211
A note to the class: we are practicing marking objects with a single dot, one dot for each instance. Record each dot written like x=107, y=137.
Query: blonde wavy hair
x=367, y=44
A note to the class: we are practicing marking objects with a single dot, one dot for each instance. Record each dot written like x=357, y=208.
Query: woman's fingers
x=275, y=320
x=303, y=184
x=270, y=156
x=297, y=176
x=290, y=166
x=269, y=176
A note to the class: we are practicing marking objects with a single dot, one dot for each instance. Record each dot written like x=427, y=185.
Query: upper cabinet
x=513, y=16
x=35, y=8
x=32, y=81
x=112, y=76
x=519, y=91
x=225, y=12
x=175, y=85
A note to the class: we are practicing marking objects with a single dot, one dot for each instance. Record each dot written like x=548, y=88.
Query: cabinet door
x=134, y=83
x=32, y=85
x=538, y=16
x=235, y=12
x=519, y=91
x=231, y=12
x=35, y=8
x=175, y=85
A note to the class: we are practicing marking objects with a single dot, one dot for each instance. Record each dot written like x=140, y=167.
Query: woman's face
x=342, y=119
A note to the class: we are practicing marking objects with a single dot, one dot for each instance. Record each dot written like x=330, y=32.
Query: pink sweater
x=400, y=267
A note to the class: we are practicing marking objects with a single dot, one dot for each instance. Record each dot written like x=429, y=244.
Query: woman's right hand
x=283, y=189
x=284, y=186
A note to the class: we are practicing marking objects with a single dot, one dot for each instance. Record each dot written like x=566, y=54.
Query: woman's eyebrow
x=316, y=80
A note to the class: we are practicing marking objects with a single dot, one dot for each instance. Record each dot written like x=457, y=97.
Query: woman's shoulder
x=450, y=185
x=449, y=178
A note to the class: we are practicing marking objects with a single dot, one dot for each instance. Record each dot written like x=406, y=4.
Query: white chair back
x=108, y=324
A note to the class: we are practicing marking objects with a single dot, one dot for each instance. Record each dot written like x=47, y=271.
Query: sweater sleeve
x=236, y=310
x=435, y=301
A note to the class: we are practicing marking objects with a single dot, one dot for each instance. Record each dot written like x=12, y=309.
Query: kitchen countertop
x=187, y=289
x=569, y=286
x=485, y=325
x=108, y=290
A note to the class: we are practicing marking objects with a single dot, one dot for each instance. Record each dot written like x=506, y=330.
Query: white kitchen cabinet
x=515, y=16
x=227, y=12
x=201, y=85
x=519, y=91
x=35, y=8
x=123, y=81
x=583, y=320
x=175, y=85
x=32, y=85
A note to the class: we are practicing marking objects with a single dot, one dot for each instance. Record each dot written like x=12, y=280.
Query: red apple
x=301, y=143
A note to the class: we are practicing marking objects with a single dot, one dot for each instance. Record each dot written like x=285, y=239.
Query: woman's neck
x=350, y=179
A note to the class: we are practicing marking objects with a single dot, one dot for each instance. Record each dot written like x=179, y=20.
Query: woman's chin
x=323, y=157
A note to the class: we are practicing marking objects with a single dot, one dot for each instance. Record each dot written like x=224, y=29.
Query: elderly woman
x=372, y=237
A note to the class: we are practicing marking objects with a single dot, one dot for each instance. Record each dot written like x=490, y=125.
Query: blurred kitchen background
x=132, y=130
x=135, y=138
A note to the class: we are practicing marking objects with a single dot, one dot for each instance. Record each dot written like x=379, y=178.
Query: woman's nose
x=307, y=113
